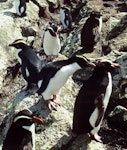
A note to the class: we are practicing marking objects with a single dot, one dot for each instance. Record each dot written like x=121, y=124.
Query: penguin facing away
x=20, y=6
x=66, y=18
x=30, y=63
x=91, y=32
x=51, y=42
x=55, y=74
x=21, y=134
x=93, y=99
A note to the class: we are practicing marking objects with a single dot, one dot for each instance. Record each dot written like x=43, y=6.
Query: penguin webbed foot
x=96, y=137
x=52, y=105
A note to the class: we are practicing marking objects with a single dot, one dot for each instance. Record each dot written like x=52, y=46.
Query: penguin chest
x=100, y=24
x=19, y=7
x=58, y=81
x=51, y=44
x=97, y=30
x=32, y=130
x=17, y=55
x=96, y=113
x=62, y=18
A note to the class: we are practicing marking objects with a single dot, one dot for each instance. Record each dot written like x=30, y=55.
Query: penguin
x=55, y=74
x=51, y=42
x=91, y=31
x=20, y=6
x=66, y=18
x=92, y=100
x=30, y=63
x=21, y=134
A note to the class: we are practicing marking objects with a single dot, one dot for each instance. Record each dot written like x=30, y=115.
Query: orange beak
x=38, y=120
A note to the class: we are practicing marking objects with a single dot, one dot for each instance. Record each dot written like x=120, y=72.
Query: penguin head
x=26, y=118
x=107, y=65
x=19, y=43
x=82, y=61
x=95, y=14
x=52, y=30
x=64, y=8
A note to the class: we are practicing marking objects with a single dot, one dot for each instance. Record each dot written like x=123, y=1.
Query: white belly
x=32, y=130
x=59, y=80
x=62, y=18
x=51, y=44
x=100, y=24
x=17, y=4
x=17, y=55
x=94, y=115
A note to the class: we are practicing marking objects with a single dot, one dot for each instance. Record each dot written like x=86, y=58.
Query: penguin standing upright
x=93, y=99
x=21, y=134
x=66, y=18
x=30, y=63
x=20, y=6
x=91, y=31
x=51, y=42
x=54, y=75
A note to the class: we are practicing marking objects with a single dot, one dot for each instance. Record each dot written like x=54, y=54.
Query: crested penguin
x=93, y=99
x=21, y=134
x=20, y=6
x=55, y=74
x=30, y=63
x=66, y=18
x=51, y=42
x=91, y=31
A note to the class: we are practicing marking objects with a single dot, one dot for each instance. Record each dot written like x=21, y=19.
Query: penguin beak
x=115, y=65
x=11, y=44
x=37, y=120
x=90, y=64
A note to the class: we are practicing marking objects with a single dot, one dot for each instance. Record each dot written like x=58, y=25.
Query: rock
x=118, y=118
x=56, y=132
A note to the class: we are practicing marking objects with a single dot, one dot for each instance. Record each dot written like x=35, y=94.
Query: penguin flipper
x=100, y=106
x=44, y=85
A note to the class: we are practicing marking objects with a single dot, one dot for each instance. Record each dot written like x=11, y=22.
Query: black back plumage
x=17, y=137
x=50, y=69
x=89, y=31
x=68, y=18
x=29, y=60
x=91, y=95
x=22, y=4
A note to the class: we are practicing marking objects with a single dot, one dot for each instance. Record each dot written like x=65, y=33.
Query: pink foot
x=97, y=138
x=52, y=105
x=56, y=100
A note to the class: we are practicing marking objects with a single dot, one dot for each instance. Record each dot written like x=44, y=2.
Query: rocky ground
x=56, y=132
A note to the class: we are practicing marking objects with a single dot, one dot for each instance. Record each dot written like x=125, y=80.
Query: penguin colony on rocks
x=94, y=95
